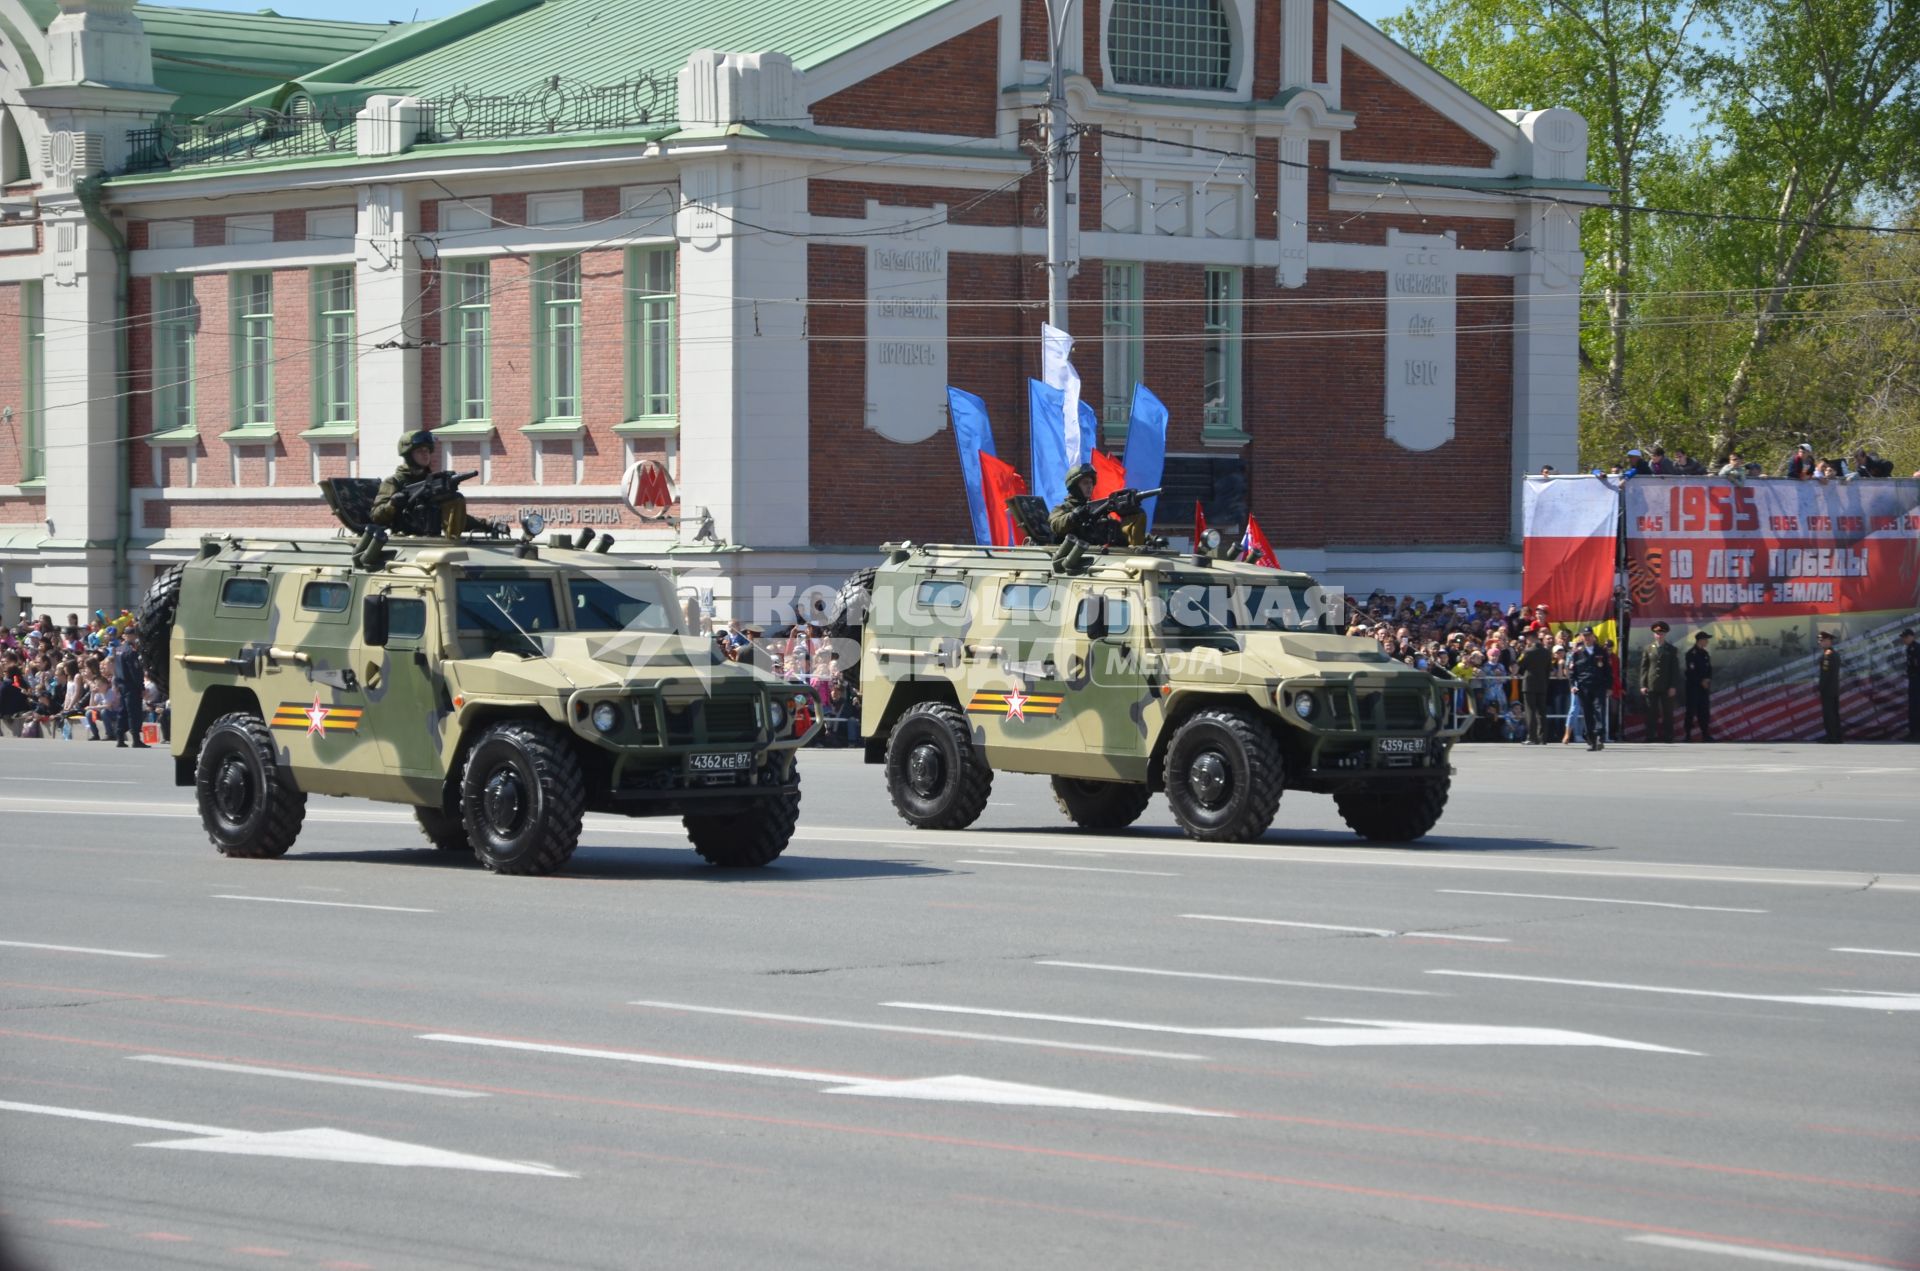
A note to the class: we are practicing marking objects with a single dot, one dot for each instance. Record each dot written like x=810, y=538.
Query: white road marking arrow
x=313, y=1145
x=1367, y=1032
x=953, y=1089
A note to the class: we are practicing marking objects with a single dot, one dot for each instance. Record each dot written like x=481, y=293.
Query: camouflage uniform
x=1069, y=519
x=452, y=517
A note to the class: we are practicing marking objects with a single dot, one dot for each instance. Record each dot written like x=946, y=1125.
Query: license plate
x=1403, y=746
x=736, y=761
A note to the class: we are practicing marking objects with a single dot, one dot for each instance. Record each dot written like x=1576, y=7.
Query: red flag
x=1254, y=547
x=998, y=483
x=1109, y=476
x=1199, y=523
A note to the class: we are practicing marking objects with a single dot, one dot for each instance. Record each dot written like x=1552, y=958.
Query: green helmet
x=412, y=440
x=1084, y=470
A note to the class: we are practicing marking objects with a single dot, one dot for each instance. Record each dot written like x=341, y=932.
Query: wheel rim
x=233, y=795
x=925, y=769
x=503, y=802
x=1209, y=780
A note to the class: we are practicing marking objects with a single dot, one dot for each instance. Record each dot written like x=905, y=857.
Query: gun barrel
x=458, y=477
x=1150, y=494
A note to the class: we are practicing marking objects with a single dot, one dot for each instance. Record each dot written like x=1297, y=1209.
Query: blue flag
x=1047, y=428
x=972, y=433
x=1146, y=458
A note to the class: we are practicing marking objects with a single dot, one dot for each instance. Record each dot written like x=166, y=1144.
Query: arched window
x=1170, y=43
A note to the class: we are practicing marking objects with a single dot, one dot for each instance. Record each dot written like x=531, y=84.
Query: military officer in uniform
x=1913, y=683
x=1830, y=689
x=1700, y=686
x=1072, y=518
x=416, y=464
x=1535, y=669
x=1660, y=683
x=1591, y=672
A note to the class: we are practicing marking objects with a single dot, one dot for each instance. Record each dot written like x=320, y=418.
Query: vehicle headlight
x=1303, y=705
x=776, y=715
x=606, y=717
x=1433, y=707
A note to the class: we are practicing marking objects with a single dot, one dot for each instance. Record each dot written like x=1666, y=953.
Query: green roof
x=213, y=59
x=593, y=42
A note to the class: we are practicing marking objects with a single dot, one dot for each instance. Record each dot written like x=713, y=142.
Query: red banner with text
x=1762, y=568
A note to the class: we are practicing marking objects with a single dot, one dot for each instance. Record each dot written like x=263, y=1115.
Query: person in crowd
x=1801, y=463
x=1732, y=468
x=1700, y=686
x=1868, y=464
x=1535, y=668
x=129, y=685
x=1830, y=689
x=734, y=642
x=102, y=706
x=1591, y=672
x=1660, y=683
x=1659, y=465
x=1637, y=465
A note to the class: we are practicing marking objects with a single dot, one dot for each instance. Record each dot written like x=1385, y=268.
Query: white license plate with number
x=736, y=761
x=1403, y=746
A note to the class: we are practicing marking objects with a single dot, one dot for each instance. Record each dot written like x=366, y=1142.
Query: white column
x=386, y=288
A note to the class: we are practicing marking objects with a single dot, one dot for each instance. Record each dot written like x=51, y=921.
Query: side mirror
x=373, y=620
x=1096, y=616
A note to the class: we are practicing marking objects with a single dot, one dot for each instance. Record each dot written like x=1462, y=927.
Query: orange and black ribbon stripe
x=339, y=719
x=985, y=703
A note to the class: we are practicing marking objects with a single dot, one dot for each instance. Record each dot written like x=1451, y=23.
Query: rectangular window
x=1221, y=365
x=326, y=597
x=333, y=353
x=252, y=349
x=176, y=323
x=1026, y=597
x=651, y=332
x=467, y=324
x=244, y=593
x=33, y=360
x=406, y=619
x=1122, y=328
x=556, y=318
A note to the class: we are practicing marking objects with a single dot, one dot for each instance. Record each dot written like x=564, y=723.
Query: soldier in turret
x=393, y=506
x=1080, y=516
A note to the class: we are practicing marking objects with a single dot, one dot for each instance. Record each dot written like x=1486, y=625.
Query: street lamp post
x=1059, y=15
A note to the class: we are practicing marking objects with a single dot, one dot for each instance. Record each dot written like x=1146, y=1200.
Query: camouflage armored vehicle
x=1125, y=673
x=501, y=688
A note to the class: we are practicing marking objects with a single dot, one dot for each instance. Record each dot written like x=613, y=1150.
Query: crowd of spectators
x=801, y=653
x=1475, y=645
x=1801, y=464
x=71, y=681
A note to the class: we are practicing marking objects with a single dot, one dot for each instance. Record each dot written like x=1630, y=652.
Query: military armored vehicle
x=1124, y=673
x=501, y=688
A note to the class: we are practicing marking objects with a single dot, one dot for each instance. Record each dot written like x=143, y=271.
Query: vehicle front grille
x=1395, y=711
x=712, y=719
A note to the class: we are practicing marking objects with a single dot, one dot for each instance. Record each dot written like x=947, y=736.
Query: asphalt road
x=1651, y=1008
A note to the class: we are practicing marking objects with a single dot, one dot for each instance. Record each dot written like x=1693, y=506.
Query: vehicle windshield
x=506, y=605
x=614, y=603
x=1193, y=607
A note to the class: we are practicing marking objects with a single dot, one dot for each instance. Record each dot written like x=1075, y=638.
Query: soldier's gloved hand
x=401, y=498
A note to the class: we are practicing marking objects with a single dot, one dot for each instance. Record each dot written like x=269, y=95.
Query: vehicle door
x=1110, y=690
x=318, y=700
x=407, y=704
x=1016, y=685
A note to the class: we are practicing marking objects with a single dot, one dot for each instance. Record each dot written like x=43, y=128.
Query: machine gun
x=416, y=505
x=1091, y=524
x=1123, y=503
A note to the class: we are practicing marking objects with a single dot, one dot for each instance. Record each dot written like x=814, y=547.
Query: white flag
x=1056, y=371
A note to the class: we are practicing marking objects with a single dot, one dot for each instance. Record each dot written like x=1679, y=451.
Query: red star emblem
x=317, y=717
x=1016, y=703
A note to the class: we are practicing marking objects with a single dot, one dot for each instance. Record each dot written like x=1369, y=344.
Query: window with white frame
x=176, y=324
x=333, y=353
x=1122, y=329
x=1220, y=372
x=466, y=328
x=252, y=349
x=1171, y=43
x=556, y=320
x=652, y=328
x=33, y=365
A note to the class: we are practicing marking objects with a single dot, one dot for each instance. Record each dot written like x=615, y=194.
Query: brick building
x=239, y=252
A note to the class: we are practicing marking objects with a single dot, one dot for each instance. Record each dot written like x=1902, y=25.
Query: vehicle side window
x=244, y=593
x=406, y=619
x=945, y=595
x=326, y=597
x=1026, y=597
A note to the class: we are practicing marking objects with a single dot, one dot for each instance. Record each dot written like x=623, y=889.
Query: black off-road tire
x=446, y=833
x=1101, y=805
x=521, y=798
x=751, y=837
x=248, y=802
x=937, y=780
x=1224, y=775
x=1394, y=814
x=849, y=611
x=155, y=626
